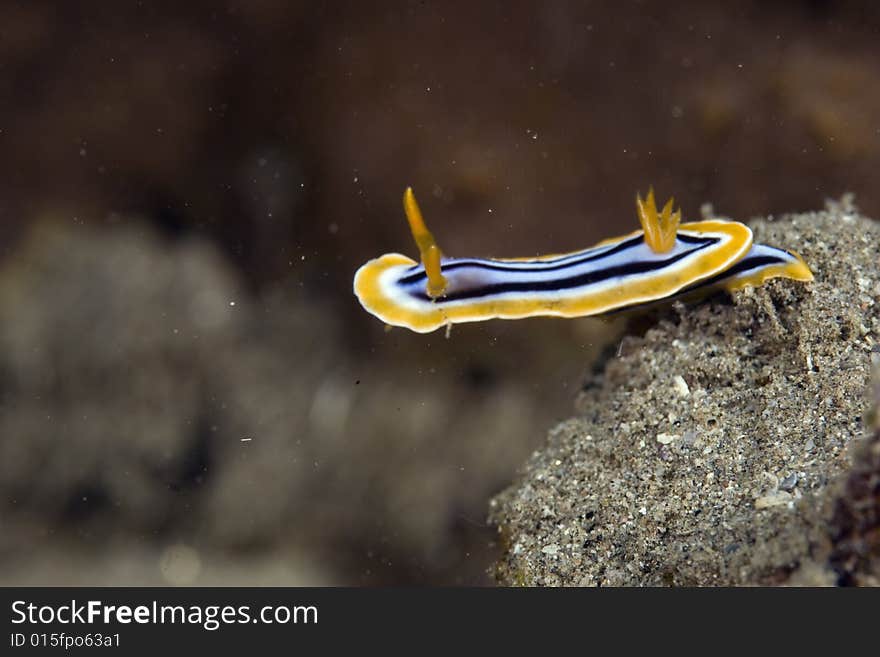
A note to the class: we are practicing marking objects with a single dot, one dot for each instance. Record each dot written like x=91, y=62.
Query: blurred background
x=189, y=391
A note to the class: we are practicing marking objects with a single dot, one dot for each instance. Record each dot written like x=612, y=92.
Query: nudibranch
x=663, y=260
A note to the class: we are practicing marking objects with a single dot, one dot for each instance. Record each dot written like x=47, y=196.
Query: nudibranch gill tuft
x=664, y=260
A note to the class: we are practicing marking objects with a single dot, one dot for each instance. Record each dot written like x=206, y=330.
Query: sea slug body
x=665, y=259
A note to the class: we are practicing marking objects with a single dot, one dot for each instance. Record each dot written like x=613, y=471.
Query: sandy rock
x=776, y=381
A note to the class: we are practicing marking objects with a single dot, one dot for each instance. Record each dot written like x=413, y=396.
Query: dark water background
x=189, y=392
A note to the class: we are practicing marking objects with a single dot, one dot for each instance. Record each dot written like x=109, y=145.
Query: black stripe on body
x=744, y=265
x=544, y=265
x=561, y=284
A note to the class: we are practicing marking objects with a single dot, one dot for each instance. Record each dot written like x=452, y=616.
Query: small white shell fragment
x=680, y=385
x=776, y=498
x=666, y=438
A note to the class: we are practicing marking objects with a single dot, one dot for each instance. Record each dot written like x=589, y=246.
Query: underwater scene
x=440, y=293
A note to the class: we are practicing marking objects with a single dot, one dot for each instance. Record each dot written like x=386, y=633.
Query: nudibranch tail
x=660, y=230
x=760, y=264
x=428, y=249
x=764, y=262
